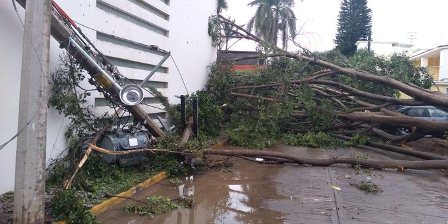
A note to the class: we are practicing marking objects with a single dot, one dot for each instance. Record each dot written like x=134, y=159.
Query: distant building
x=384, y=48
x=254, y=62
x=435, y=60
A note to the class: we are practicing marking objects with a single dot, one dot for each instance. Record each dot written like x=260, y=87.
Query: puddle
x=240, y=196
x=253, y=193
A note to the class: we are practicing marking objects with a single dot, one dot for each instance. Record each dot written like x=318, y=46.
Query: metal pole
x=31, y=144
x=195, y=117
x=102, y=76
x=168, y=54
x=183, y=110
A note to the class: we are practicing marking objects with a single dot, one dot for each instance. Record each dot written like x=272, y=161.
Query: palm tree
x=272, y=17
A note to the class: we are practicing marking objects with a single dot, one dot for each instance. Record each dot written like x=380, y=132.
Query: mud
x=252, y=193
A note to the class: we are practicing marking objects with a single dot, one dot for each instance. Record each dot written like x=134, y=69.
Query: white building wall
x=191, y=51
x=384, y=48
x=11, y=39
x=178, y=26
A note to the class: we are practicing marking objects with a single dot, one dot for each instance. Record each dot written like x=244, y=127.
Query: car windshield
x=437, y=112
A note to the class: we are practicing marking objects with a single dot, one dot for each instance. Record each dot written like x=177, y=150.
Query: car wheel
x=403, y=131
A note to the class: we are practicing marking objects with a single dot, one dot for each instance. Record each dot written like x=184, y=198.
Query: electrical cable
x=41, y=68
x=20, y=131
x=180, y=74
x=149, y=105
x=27, y=35
x=57, y=137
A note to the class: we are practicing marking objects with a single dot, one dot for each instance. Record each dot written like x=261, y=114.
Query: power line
x=18, y=133
x=41, y=68
x=180, y=74
x=27, y=35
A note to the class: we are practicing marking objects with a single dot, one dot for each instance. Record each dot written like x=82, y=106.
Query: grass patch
x=312, y=139
x=156, y=205
x=369, y=186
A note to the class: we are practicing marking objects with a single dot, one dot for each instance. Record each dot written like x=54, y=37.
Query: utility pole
x=412, y=37
x=31, y=143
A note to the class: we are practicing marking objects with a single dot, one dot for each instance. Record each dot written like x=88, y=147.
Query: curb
x=103, y=206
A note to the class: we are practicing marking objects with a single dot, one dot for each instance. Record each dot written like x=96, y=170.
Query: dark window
x=418, y=112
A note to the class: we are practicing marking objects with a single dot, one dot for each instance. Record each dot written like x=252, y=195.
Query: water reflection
x=228, y=197
x=242, y=194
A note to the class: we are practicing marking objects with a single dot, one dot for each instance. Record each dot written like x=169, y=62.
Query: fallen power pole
x=31, y=144
x=63, y=29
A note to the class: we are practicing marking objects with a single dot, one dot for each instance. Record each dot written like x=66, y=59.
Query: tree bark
x=377, y=164
x=187, y=131
x=396, y=120
x=405, y=151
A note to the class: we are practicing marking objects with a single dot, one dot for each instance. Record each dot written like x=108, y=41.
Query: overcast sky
x=392, y=20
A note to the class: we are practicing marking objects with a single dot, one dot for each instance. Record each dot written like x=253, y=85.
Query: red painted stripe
x=65, y=15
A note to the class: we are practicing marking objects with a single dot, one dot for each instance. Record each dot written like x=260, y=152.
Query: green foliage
x=178, y=164
x=257, y=123
x=219, y=81
x=209, y=112
x=312, y=139
x=222, y=4
x=210, y=115
x=169, y=163
x=97, y=178
x=259, y=128
x=369, y=186
x=69, y=98
x=398, y=66
x=155, y=205
x=69, y=205
x=185, y=201
x=358, y=139
x=354, y=23
x=175, y=181
x=214, y=30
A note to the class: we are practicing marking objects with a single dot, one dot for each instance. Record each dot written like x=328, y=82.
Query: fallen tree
x=377, y=164
x=301, y=92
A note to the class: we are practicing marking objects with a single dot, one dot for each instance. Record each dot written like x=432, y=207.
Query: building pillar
x=424, y=62
x=443, y=70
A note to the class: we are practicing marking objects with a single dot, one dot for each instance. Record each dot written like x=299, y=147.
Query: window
x=418, y=112
x=437, y=112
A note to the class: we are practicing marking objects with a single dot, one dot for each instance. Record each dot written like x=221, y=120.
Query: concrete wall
x=191, y=50
x=178, y=26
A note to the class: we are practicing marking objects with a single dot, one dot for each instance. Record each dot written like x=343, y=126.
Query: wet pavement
x=249, y=192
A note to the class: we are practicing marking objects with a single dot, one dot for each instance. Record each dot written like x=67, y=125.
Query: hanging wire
x=180, y=74
x=41, y=68
x=27, y=35
x=20, y=131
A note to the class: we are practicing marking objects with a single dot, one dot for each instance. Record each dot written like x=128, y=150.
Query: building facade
x=118, y=28
x=384, y=48
x=435, y=60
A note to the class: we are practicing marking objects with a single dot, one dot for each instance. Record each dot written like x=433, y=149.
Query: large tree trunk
x=377, y=164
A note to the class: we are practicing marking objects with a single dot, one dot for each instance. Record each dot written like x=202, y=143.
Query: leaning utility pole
x=31, y=144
